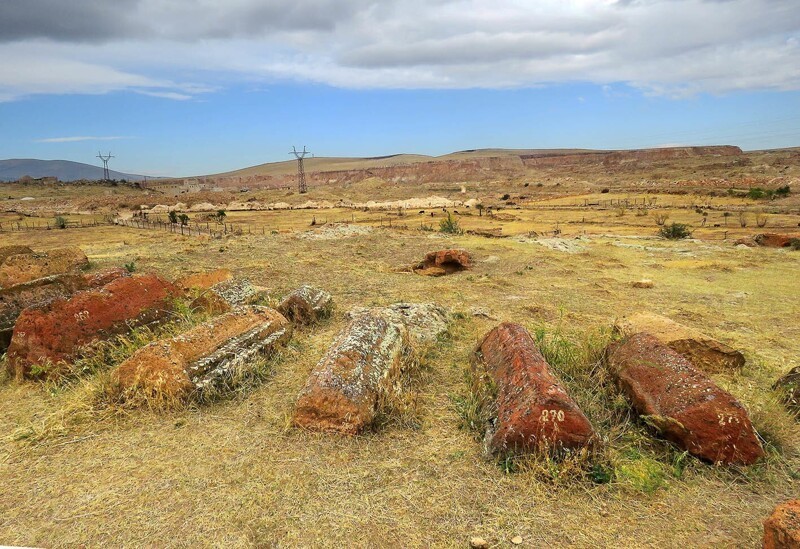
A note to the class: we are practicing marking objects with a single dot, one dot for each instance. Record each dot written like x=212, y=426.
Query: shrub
x=173, y=217
x=742, y=220
x=130, y=267
x=756, y=193
x=184, y=219
x=60, y=223
x=675, y=231
x=794, y=244
x=450, y=225
x=505, y=197
x=661, y=218
x=783, y=191
x=761, y=219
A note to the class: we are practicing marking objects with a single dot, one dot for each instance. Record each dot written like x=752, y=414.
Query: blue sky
x=357, y=78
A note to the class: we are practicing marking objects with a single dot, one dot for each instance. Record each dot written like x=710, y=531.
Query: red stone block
x=686, y=406
x=533, y=410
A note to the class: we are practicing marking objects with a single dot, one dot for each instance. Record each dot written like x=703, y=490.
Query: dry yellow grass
x=234, y=473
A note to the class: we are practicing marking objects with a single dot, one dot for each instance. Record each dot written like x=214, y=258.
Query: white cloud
x=664, y=47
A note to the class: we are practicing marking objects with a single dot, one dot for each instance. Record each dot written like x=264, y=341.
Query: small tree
x=742, y=220
x=675, y=231
x=221, y=216
x=761, y=219
x=60, y=222
x=450, y=225
x=479, y=207
x=661, y=218
x=725, y=217
x=173, y=217
x=184, y=219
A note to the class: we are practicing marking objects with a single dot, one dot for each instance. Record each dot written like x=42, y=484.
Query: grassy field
x=235, y=473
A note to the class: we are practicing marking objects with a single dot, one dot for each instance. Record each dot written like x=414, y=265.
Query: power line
x=105, y=160
x=301, y=174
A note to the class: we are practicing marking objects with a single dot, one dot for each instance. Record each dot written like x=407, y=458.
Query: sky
x=191, y=87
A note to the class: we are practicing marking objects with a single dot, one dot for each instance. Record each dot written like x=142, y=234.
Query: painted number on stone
x=83, y=315
x=727, y=419
x=552, y=415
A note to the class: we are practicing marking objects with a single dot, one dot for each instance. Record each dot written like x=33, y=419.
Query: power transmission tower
x=301, y=174
x=105, y=160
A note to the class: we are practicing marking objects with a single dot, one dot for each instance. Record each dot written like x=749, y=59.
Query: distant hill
x=476, y=156
x=64, y=170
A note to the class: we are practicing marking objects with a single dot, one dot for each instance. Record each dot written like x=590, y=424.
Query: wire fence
x=26, y=225
x=193, y=228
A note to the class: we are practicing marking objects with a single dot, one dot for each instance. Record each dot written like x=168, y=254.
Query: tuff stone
x=24, y=267
x=203, y=281
x=341, y=393
x=782, y=528
x=531, y=410
x=425, y=322
x=50, y=336
x=8, y=251
x=206, y=356
x=703, y=351
x=225, y=296
x=773, y=240
x=42, y=291
x=444, y=262
x=306, y=305
x=681, y=402
x=789, y=388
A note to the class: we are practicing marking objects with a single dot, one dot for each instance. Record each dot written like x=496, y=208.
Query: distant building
x=175, y=187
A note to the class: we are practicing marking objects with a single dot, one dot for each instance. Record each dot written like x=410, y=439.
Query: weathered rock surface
x=687, y=407
x=225, y=296
x=773, y=240
x=306, y=305
x=444, y=262
x=206, y=356
x=748, y=241
x=21, y=268
x=204, y=281
x=46, y=337
x=425, y=322
x=41, y=292
x=532, y=410
x=704, y=352
x=789, y=388
x=8, y=251
x=341, y=393
x=101, y=278
x=782, y=528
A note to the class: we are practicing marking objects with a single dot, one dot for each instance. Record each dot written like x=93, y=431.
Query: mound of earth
x=335, y=231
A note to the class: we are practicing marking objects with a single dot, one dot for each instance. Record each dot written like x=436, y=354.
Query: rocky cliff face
x=611, y=158
x=476, y=169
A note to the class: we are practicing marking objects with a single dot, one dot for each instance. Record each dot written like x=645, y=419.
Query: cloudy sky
x=199, y=86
